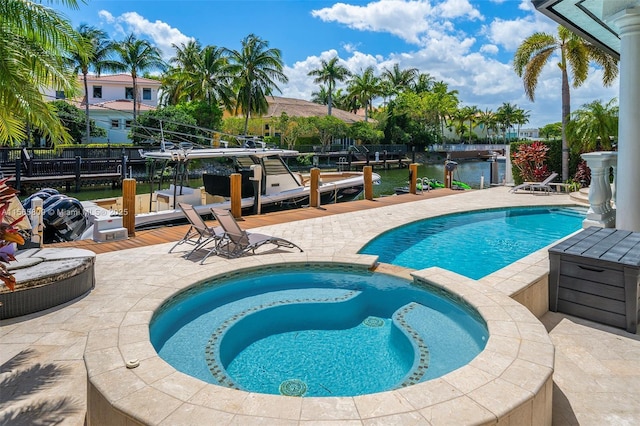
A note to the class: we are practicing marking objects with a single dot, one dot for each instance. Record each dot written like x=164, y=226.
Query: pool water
x=316, y=331
x=475, y=244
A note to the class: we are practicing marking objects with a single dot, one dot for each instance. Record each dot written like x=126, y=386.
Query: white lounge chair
x=199, y=234
x=238, y=242
x=537, y=186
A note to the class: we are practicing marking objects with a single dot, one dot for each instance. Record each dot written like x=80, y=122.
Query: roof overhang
x=588, y=18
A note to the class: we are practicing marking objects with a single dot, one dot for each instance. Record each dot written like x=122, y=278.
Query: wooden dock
x=167, y=234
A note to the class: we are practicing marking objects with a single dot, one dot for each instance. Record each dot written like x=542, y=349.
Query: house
x=111, y=102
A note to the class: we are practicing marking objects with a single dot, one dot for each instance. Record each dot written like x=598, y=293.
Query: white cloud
x=408, y=20
x=162, y=35
x=491, y=49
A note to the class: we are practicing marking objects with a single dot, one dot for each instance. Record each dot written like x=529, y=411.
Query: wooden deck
x=167, y=234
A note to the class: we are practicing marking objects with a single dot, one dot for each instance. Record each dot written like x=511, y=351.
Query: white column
x=628, y=181
x=600, y=212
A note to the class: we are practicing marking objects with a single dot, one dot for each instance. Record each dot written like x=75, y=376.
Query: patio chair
x=533, y=186
x=199, y=234
x=238, y=242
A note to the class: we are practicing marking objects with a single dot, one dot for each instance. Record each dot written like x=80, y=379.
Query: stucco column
x=628, y=181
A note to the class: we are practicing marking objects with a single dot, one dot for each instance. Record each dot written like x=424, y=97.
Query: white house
x=111, y=102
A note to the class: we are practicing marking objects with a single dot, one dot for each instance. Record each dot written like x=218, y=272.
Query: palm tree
x=594, y=126
x=520, y=118
x=506, y=116
x=399, y=79
x=33, y=43
x=470, y=113
x=329, y=73
x=487, y=120
x=138, y=56
x=94, y=51
x=255, y=70
x=365, y=87
x=424, y=83
x=575, y=56
x=321, y=96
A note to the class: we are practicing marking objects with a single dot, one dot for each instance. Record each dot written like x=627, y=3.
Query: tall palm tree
x=365, y=87
x=506, y=115
x=424, y=83
x=487, y=120
x=444, y=101
x=594, y=126
x=575, y=56
x=255, y=69
x=138, y=56
x=520, y=118
x=399, y=79
x=33, y=42
x=94, y=51
x=470, y=113
x=329, y=73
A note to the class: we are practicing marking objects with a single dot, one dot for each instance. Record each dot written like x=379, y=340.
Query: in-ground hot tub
x=509, y=381
x=316, y=331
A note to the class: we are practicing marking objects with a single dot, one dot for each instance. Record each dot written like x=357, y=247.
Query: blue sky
x=469, y=44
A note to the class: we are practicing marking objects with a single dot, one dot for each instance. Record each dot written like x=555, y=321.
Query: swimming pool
x=321, y=330
x=475, y=244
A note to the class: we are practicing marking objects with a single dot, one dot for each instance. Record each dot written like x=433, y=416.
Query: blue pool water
x=475, y=244
x=315, y=331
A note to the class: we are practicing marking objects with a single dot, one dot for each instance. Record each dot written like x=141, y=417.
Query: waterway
x=469, y=172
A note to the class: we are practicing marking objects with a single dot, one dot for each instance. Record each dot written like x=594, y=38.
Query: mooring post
x=413, y=177
x=368, y=182
x=129, y=206
x=236, y=194
x=314, y=195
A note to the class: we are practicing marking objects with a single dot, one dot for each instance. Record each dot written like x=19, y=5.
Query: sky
x=468, y=44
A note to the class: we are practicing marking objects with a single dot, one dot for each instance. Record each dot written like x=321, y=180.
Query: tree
x=575, y=56
x=365, y=87
x=177, y=125
x=594, y=126
x=506, y=115
x=329, y=128
x=208, y=116
x=93, y=50
x=33, y=42
x=74, y=120
x=552, y=130
x=201, y=74
x=321, y=96
x=138, y=56
x=365, y=132
x=291, y=128
x=487, y=121
x=329, y=73
x=399, y=80
x=255, y=70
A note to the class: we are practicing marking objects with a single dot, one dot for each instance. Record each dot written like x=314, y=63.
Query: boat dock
x=172, y=233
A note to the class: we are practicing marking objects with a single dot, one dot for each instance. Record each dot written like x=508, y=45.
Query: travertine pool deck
x=43, y=375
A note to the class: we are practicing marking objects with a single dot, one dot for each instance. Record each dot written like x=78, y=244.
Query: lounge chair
x=199, y=234
x=238, y=242
x=540, y=186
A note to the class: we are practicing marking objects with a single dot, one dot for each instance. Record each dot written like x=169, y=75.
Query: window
x=97, y=92
x=128, y=92
x=59, y=94
x=146, y=94
x=127, y=124
x=115, y=124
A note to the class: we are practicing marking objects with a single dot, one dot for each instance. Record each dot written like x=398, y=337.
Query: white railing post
x=601, y=213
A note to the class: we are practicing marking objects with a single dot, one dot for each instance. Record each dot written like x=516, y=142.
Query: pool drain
x=293, y=387
x=373, y=322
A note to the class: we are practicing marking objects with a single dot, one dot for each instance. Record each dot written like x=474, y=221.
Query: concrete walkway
x=43, y=376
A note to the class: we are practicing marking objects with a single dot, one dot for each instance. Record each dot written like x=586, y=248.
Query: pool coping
x=510, y=380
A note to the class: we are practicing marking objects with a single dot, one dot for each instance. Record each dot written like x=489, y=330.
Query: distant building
x=529, y=134
x=111, y=102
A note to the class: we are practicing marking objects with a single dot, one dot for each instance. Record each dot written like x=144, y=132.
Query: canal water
x=469, y=172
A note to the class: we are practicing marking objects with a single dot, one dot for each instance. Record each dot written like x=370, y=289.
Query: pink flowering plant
x=9, y=234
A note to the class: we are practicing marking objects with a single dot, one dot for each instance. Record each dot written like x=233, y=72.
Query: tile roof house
x=111, y=102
